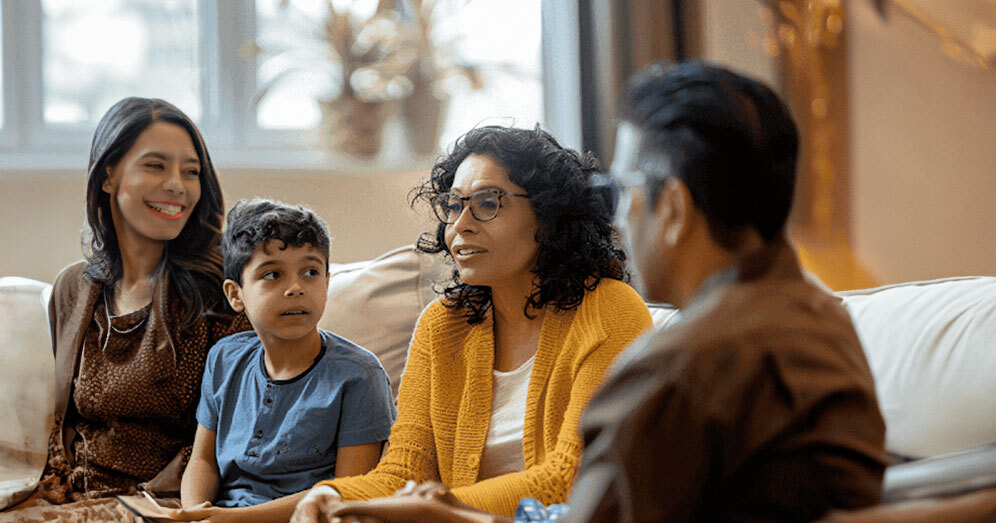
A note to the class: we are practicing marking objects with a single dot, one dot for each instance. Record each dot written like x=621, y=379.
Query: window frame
x=6, y=68
x=19, y=90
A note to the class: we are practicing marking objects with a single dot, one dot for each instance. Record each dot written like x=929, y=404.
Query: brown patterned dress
x=128, y=414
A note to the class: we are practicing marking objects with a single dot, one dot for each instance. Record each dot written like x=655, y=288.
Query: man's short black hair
x=252, y=223
x=728, y=138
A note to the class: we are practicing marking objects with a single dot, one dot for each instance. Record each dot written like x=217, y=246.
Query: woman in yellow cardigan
x=501, y=367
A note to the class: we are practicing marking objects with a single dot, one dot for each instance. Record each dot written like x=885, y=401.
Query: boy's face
x=283, y=290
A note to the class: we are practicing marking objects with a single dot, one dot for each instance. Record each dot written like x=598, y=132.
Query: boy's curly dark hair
x=575, y=234
x=251, y=223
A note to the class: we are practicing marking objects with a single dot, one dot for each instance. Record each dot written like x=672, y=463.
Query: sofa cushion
x=931, y=346
x=27, y=386
x=376, y=303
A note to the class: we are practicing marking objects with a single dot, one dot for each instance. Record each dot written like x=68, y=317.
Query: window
x=95, y=53
x=294, y=60
x=477, y=64
x=256, y=76
x=510, y=72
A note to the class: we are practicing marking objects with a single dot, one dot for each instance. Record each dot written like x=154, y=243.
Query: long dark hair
x=192, y=259
x=576, y=238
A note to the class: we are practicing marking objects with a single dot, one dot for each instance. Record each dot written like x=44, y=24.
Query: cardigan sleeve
x=53, y=314
x=550, y=481
x=411, y=454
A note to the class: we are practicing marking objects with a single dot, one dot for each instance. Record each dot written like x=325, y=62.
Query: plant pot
x=352, y=126
x=423, y=114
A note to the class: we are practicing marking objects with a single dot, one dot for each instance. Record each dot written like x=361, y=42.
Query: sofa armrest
x=979, y=505
x=949, y=474
x=27, y=386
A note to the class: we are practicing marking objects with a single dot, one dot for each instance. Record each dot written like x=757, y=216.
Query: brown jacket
x=757, y=405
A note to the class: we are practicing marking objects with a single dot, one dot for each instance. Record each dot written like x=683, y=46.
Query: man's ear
x=674, y=210
x=234, y=294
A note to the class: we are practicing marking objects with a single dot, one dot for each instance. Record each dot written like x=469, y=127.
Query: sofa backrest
x=376, y=303
x=931, y=346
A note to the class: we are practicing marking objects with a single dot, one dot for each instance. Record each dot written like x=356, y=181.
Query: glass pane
x=457, y=51
x=95, y=53
x=294, y=69
x=507, y=64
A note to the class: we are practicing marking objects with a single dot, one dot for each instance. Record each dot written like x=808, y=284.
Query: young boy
x=287, y=404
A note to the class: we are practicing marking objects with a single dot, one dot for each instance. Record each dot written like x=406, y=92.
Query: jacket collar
x=774, y=261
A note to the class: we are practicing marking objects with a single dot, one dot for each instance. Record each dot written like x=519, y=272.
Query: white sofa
x=931, y=346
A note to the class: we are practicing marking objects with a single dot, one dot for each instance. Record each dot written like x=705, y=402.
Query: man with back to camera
x=758, y=403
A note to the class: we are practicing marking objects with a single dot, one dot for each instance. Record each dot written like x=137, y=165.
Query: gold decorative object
x=804, y=30
x=807, y=31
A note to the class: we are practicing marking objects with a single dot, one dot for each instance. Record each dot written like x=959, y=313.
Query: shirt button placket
x=252, y=450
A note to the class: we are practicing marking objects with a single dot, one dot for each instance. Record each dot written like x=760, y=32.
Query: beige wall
x=731, y=36
x=923, y=148
x=921, y=134
x=41, y=212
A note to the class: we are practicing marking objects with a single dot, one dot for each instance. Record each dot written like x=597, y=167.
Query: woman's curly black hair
x=575, y=233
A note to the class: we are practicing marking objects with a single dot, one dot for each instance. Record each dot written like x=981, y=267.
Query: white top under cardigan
x=503, y=446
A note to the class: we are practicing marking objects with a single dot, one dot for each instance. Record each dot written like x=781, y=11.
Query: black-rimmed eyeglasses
x=484, y=204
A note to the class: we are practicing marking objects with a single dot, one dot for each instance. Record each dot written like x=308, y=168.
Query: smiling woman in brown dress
x=132, y=324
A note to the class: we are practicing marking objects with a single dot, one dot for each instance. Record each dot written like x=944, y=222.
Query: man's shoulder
x=661, y=351
x=743, y=333
x=761, y=309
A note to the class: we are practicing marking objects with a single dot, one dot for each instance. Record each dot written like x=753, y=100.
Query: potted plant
x=386, y=62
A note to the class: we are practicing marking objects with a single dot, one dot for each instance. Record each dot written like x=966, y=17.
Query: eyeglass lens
x=484, y=206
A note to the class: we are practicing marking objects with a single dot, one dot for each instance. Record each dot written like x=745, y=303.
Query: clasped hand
x=429, y=501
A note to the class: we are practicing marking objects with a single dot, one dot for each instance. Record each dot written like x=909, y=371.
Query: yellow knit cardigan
x=444, y=404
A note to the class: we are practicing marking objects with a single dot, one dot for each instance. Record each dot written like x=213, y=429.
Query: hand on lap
x=430, y=501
